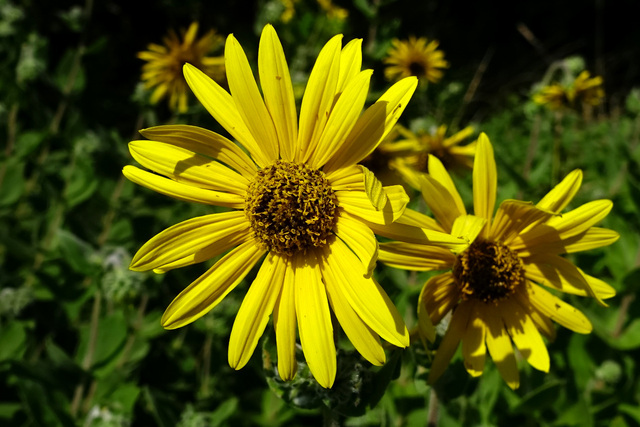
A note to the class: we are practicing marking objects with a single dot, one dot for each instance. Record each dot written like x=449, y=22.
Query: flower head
x=408, y=152
x=496, y=286
x=415, y=57
x=297, y=197
x=584, y=91
x=163, y=70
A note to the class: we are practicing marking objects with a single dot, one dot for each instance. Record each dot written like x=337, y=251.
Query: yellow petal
x=374, y=190
x=440, y=201
x=208, y=252
x=187, y=167
x=525, y=335
x=562, y=194
x=342, y=119
x=500, y=348
x=417, y=219
x=360, y=239
x=318, y=97
x=347, y=178
x=557, y=310
x=223, y=108
x=364, y=295
x=188, y=238
x=438, y=296
x=368, y=132
x=210, y=288
x=485, y=180
x=278, y=91
x=412, y=256
x=438, y=172
x=314, y=319
x=357, y=203
x=593, y=238
x=255, y=310
x=248, y=100
x=467, y=227
x=350, y=63
x=182, y=191
x=205, y=142
x=446, y=350
x=284, y=323
x=473, y=343
x=514, y=216
x=363, y=338
x=559, y=273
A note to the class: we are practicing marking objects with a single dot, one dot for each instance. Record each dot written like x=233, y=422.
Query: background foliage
x=80, y=338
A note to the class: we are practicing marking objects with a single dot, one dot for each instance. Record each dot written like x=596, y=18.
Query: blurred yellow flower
x=300, y=208
x=415, y=57
x=493, y=288
x=583, y=91
x=407, y=152
x=163, y=68
x=332, y=11
x=587, y=90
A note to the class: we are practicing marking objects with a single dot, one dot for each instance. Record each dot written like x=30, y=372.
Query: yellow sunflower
x=494, y=287
x=409, y=151
x=297, y=197
x=415, y=57
x=163, y=70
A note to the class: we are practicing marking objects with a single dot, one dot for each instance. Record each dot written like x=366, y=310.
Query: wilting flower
x=415, y=57
x=408, y=151
x=583, y=91
x=496, y=286
x=297, y=196
x=163, y=70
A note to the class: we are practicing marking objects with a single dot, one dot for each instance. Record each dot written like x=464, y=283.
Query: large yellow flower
x=163, y=69
x=409, y=151
x=298, y=197
x=494, y=286
x=415, y=57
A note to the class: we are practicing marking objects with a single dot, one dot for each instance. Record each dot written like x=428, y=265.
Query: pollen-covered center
x=290, y=207
x=488, y=271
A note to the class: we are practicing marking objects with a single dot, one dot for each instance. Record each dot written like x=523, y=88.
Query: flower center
x=488, y=271
x=291, y=207
x=417, y=68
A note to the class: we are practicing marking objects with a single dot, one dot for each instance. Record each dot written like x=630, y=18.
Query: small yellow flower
x=408, y=152
x=495, y=286
x=300, y=205
x=163, y=70
x=587, y=90
x=415, y=57
x=584, y=91
x=332, y=11
x=554, y=97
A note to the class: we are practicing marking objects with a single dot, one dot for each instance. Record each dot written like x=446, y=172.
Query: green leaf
x=69, y=76
x=12, y=184
x=109, y=340
x=224, y=412
x=75, y=251
x=82, y=183
x=629, y=339
x=27, y=142
x=13, y=340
